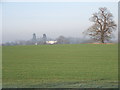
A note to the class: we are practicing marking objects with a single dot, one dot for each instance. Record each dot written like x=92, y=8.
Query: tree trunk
x=102, y=37
x=102, y=41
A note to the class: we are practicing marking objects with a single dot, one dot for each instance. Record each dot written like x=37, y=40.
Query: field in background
x=57, y=66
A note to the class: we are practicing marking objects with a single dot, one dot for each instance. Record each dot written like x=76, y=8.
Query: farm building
x=51, y=42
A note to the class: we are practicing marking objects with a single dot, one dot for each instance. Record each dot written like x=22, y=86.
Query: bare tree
x=62, y=40
x=103, y=25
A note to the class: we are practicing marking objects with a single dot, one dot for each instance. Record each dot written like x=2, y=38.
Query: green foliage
x=55, y=65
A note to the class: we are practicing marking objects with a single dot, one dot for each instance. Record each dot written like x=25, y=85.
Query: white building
x=51, y=42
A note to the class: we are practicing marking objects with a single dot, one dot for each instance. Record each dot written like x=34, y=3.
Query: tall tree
x=103, y=25
x=44, y=38
x=34, y=38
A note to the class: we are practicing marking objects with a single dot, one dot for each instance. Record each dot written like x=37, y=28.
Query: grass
x=77, y=65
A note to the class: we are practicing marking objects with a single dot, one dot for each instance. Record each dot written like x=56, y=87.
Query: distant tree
x=34, y=38
x=44, y=38
x=103, y=26
x=62, y=40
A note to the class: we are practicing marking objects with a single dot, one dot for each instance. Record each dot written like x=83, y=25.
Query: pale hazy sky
x=21, y=19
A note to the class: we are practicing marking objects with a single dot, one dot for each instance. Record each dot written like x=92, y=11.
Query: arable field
x=60, y=66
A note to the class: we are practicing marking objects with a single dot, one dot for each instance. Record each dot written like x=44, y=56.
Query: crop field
x=60, y=66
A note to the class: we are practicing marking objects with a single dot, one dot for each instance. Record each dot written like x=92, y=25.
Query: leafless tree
x=63, y=40
x=103, y=25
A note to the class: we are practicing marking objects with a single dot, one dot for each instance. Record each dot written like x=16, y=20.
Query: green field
x=61, y=66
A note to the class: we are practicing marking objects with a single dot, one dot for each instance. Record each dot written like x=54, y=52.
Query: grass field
x=61, y=66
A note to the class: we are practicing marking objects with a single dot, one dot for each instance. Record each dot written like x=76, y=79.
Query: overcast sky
x=70, y=19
